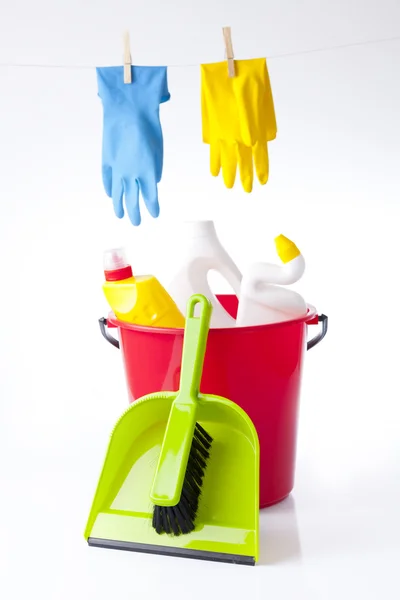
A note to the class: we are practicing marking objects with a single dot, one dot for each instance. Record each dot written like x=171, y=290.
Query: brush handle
x=194, y=346
x=175, y=448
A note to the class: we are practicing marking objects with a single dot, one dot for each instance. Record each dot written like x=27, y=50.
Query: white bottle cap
x=115, y=259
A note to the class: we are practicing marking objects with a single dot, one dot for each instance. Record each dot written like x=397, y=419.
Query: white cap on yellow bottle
x=115, y=264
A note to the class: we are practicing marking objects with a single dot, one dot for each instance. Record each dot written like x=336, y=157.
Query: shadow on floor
x=279, y=536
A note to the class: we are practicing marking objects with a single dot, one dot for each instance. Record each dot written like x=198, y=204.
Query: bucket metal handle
x=320, y=336
x=310, y=344
x=104, y=332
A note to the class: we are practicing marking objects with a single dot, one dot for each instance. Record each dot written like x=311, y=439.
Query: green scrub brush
x=186, y=445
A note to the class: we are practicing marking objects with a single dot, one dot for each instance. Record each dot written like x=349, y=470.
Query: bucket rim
x=307, y=319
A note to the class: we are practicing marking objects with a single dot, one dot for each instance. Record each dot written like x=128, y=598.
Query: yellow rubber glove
x=238, y=119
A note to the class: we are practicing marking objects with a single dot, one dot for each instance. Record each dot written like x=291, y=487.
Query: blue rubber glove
x=132, y=155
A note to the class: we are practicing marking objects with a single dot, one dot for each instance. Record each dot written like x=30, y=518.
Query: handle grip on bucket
x=320, y=336
x=104, y=332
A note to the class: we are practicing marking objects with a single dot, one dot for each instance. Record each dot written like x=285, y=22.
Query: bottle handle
x=233, y=279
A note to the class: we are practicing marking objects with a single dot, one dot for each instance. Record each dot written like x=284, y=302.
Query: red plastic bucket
x=259, y=368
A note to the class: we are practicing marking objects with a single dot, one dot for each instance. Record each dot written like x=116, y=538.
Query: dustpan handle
x=194, y=344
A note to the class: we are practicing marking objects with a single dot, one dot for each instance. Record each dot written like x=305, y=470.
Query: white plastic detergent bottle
x=262, y=298
x=202, y=252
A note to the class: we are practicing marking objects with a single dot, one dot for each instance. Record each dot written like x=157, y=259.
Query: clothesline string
x=178, y=66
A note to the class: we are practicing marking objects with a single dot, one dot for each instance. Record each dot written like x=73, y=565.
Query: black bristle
x=199, y=461
x=192, y=484
x=188, y=496
x=197, y=476
x=189, y=500
x=181, y=518
x=187, y=514
x=200, y=448
x=172, y=520
x=203, y=432
x=157, y=519
x=203, y=441
x=164, y=520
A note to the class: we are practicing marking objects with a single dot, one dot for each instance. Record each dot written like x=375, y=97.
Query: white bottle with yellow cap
x=262, y=298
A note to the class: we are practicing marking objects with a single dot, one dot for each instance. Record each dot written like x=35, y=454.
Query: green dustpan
x=145, y=464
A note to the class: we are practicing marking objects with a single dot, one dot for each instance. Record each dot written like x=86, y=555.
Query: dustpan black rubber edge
x=237, y=559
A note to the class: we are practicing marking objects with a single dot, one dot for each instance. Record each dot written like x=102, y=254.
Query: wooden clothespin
x=229, y=50
x=127, y=59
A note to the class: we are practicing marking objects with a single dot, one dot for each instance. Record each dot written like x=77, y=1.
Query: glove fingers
x=106, y=173
x=215, y=159
x=245, y=159
x=148, y=187
x=132, y=201
x=117, y=193
x=261, y=162
x=229, y=162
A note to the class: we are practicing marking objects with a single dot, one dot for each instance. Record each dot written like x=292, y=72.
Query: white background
x=333, y=189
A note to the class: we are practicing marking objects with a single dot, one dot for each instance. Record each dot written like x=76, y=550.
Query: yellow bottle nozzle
x=286, y=249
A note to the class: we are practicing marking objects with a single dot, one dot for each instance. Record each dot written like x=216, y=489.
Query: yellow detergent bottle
x=140, y=300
